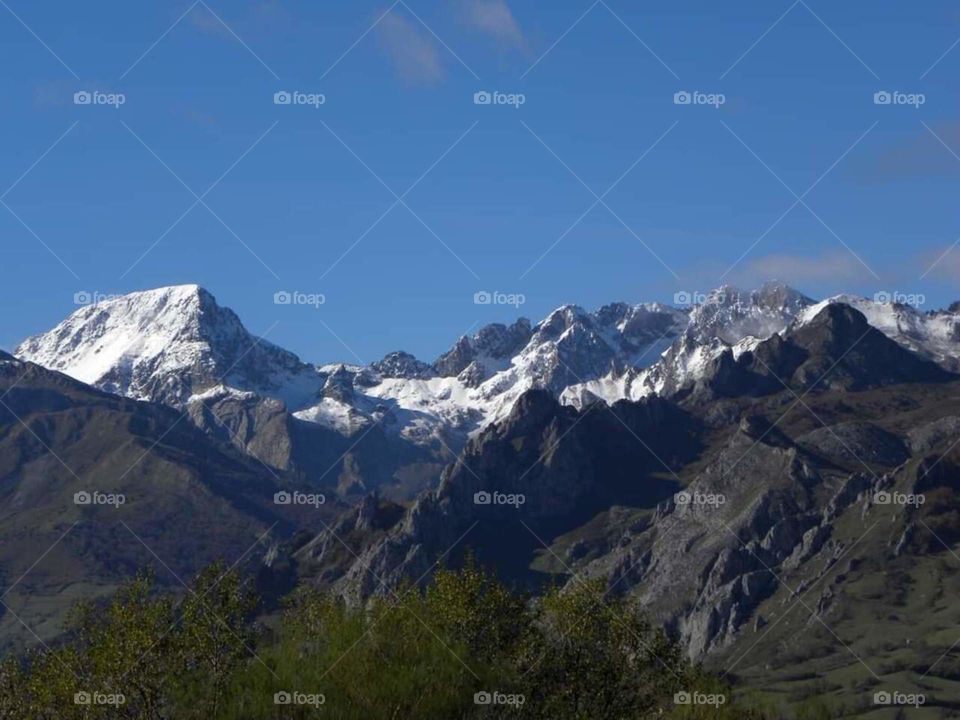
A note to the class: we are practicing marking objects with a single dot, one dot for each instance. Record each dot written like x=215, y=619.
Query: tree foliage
x=465, y=647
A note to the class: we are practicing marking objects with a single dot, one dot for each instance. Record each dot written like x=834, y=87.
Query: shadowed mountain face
x=544, y=471
x=94, y=486
x=759, y=515
x=836, y=350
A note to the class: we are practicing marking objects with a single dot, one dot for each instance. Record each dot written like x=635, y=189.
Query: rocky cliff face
x=837, y=349
x=546, y=469
x=714, y=508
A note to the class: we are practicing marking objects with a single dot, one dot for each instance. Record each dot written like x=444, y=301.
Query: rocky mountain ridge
x=705, y=499
x=177, y=346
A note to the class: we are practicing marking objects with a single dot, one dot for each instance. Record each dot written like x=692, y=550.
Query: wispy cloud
x=927, y=152
x=412, y=50
x=941, y=264
x=201, y=19
x=832, y=269
x=494, y=18
x=256, y=18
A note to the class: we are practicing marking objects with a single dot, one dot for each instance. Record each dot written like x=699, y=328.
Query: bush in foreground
x=466, y=647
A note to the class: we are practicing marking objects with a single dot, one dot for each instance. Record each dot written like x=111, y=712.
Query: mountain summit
x=166, y=345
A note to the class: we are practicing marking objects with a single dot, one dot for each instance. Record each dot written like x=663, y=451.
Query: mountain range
x=397, y=421
x=775, y=478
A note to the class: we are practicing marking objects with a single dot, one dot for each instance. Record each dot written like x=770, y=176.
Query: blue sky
x=103, y=199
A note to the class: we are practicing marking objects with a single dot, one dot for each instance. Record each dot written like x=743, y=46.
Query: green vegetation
x=466, y=647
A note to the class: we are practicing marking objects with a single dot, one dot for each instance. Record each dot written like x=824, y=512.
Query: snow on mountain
x=479, y=379
x=727, y=318
x=167, y=345
x=934, y=335
x=176, y=345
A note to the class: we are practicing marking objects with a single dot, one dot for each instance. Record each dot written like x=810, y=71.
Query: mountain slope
x=186, y=498
x=836, y=349
x=724, y=510
x=934, y=335
x=564, y=466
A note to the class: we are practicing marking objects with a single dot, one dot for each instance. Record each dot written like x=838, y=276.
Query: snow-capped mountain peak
x=166, y=345
x=490, y=350
x=727, y=318
x=934, y=334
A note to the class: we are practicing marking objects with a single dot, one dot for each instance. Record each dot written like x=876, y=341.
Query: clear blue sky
x=399, y=80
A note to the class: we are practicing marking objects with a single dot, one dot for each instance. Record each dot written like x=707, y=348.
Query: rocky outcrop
x=836, y=350
x=545, y=469
x=495, y=342
x=402, y=365
x=851, y=443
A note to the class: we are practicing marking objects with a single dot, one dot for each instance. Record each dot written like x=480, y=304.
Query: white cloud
x=941, y=264
x=494, y=18
x=414, y=53
x=837, y=268
x=920, y=154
